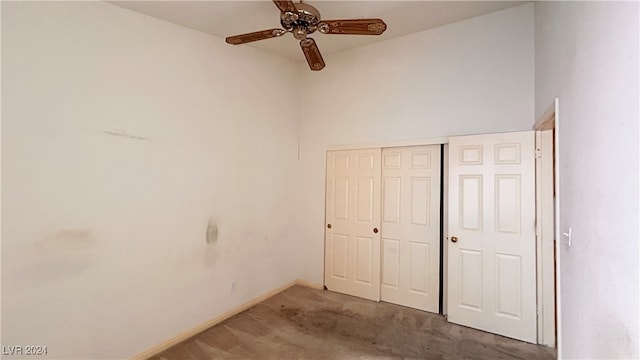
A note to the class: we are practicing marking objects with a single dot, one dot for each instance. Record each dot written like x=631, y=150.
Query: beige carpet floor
x=304, y=323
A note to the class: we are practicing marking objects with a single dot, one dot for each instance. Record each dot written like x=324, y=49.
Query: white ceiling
x=225, y=18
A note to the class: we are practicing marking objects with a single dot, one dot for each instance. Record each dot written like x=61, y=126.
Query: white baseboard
x=309, y=284
x=220, y=318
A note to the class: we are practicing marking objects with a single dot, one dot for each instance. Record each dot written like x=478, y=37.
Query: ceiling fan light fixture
x=299, y=33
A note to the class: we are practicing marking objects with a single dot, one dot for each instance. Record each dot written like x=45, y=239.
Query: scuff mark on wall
x=124, y=134
x=212, y=232
x=59, y=255
x=67, y=239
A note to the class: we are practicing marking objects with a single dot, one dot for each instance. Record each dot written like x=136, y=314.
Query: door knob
x=454, y=239
x=328, y=226
x=375, y=230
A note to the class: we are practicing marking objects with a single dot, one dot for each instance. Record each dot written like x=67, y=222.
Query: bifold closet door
x=411, y=226
x=352, y=236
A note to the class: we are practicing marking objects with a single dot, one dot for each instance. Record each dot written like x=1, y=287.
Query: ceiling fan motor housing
x=304, y=22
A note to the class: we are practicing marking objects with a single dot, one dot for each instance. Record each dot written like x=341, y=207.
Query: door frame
x=547, y=229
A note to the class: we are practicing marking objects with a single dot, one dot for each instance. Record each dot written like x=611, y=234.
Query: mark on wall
x=123, y=133
x=60, y=254
x=212, y=232
x=612, y=337
x=68, y=239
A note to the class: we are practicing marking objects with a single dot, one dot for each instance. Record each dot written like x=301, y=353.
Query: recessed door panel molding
x=391, y=259
x=364, y=189
x=507, y=203
x=391, y=200
x=470, y=155
x=411, y=263
x=419, y=280
x=470, y=202
x=421, y=160
x=491, y=248
x=508, y=277
x=364, y=252
x=471, y=279
x=366, y=161
x=352, y=248
x=420, y=201
x=338, y=250
x=340, y=198
x=507, y=154
x=391, y=160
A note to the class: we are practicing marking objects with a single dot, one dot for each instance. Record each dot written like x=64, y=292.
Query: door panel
x=420, y=200
x=491, y=267
x=471, y=279
x=364, y=260
x=338, y=251
x=419, y=268
x=352, y=249
x=390, y=270
x=411, y=226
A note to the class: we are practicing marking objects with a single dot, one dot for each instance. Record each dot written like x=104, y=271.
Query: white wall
x=104, y=250
x=474, y=76
x=587, y=55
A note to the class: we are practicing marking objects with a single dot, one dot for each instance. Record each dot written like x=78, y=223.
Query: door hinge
x=538, y=154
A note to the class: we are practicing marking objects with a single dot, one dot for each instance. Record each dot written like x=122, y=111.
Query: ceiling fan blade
x=353, y=26
x=285, y=5
x=254, y=36
x=312, y=53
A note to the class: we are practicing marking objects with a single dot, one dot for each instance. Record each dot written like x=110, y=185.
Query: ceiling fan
x=303, y=19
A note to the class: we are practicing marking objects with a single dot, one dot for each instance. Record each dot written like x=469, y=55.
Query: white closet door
x=352, y=243
x=411, y=226
x=492, y=264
